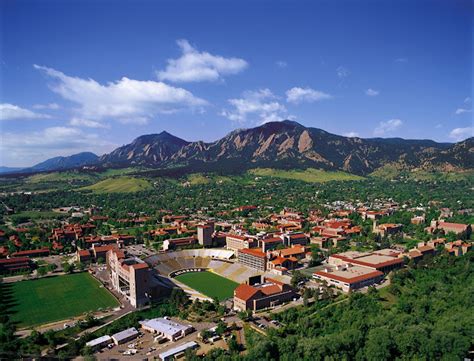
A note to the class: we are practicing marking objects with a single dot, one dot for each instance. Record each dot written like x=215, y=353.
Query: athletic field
x=50, y=299
x=209, y=284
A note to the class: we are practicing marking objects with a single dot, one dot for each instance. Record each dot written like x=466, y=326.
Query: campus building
x=176, y=243
x=270, y=243
x=384, y=260
x=349, y=277
x=132, y=277
x=387, y=229
x=42, y=252
x=447, y=227
x=236, y=242
x=204, y=234
x=166, y=328
x=253, y=258
x=291, y=239
x=17, y=264
x=125, y=336
x=267, y=294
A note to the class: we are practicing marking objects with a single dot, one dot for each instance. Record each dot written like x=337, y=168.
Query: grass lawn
x=209, y=284
x=32, y=215
x=309, y=175
x=60, y=177
x=50, y=299
x=393, y=171
x=119, y=185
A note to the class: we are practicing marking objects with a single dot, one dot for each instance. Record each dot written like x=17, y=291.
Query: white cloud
x=461, y=133
x=26, y=149
x=467, y=100
x=297, y=95
x=388, y=126
x=11, y=112
x=79, y=122
x=51, y=106
x=342, y=72
x=125, y=100
x=351, y=134
x=401, y=60
x=281, y=64
x=460, y=111
x=371, y=92
x=194, y=66
x=259, y=106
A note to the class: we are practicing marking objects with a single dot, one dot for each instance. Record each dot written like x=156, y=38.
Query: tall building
x=204, y=234
x=253, y=257
x=132, y=278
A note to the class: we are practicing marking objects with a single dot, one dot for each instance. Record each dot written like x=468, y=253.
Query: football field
x=209, y=284
x=50, y=299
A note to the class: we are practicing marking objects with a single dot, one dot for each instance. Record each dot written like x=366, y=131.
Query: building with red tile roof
x=101, y=251
x=176, y=243
x=253, y=257
x=84, y=255
x=16, y=264
x=382, y=260
x=236, y=242
x=387, y=229
x=447, y=227
x=270, y=243
x=349, y=277
x=269, y=293
x=42, y=252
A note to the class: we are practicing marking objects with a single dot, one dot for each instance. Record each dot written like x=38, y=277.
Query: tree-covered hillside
x=426, y=314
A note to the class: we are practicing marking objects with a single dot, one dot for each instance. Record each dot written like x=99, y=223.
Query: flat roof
x=177, y=349
x=377, y=260
x=99, y=341
x=122, y=335
x=167, y=327
x=350, y=275
x=368, y=259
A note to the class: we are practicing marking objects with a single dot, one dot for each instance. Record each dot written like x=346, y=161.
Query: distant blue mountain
x=62, y=163
x=4, y=170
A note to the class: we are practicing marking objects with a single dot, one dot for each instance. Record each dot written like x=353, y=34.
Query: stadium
x=203, y=273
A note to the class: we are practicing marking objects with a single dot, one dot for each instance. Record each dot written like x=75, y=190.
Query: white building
x=167, y=328
x=170, y=354
x=99, y=342
x=125, y=335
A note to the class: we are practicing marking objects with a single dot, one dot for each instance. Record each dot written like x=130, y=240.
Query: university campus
x=236, y=181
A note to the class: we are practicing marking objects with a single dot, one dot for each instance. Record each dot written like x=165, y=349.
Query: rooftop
x=177, y=349
x=352, y=274
x=165, y=326
x=253, y=252
x=122, y=335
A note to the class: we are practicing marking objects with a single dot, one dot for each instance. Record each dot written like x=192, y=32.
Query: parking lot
x=145, y=345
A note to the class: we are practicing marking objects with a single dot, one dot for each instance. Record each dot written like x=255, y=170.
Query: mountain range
x=57, y=163
x=285, y=144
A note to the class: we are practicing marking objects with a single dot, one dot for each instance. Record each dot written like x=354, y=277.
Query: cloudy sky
x=93, y=75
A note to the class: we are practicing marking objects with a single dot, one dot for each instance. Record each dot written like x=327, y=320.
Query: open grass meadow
x=309, y=175
x=209, y=284
x=50, y=299
x=119, y=185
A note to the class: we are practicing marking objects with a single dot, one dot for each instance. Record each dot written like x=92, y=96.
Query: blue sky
x=93, y=75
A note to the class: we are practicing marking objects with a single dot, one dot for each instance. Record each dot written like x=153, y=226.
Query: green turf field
x=209, y=284
x=50, y=299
